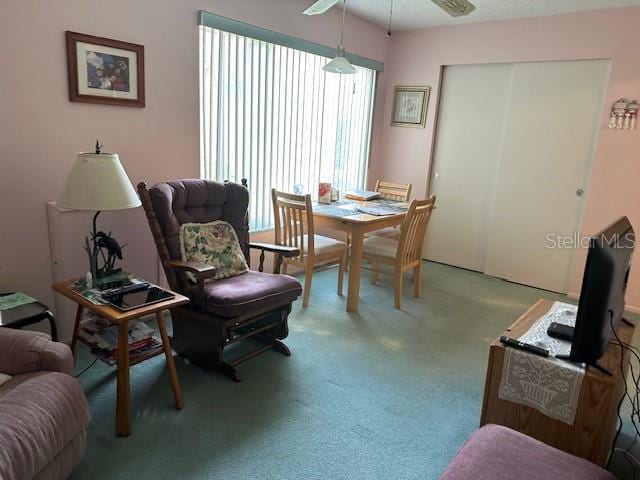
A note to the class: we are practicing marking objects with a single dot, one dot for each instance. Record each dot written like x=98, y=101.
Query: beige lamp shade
x=98, y=182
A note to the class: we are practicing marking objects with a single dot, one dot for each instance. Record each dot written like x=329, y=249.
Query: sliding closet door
x=471, y=124
x=554, y=111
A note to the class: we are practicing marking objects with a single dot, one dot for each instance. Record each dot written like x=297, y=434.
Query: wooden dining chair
x=406, y=253
x=391, y=191
x=294, y=227
x=400, y=192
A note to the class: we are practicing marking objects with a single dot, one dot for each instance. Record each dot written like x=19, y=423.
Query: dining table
x=344, y=215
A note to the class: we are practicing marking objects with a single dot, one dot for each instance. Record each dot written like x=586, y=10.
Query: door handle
x=579, y=192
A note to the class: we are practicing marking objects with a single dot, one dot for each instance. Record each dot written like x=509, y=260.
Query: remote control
x=527, y=347
x=136, y=287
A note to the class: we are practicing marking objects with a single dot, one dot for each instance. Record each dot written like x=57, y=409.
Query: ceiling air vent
x=455, y=8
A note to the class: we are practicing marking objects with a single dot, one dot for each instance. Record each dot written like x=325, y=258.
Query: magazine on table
x=100, y=333
x=101, y=336
x=110, y=357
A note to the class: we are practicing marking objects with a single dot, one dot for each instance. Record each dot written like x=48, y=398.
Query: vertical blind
x=272, y=115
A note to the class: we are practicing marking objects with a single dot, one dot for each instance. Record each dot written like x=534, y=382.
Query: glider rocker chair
x=227, y=310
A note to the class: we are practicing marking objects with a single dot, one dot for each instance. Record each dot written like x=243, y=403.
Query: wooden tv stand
x=596, y=421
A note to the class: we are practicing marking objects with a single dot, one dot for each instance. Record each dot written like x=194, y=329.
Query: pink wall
x=41, y=131
x=416, y=57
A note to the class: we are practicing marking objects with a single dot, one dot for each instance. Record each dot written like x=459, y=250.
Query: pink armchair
x=43, y=410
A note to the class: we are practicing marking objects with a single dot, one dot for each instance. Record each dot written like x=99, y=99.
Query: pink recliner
x=43, y=410
x=498, y=453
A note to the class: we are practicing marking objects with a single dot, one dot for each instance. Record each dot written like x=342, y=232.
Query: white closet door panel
x=552, y=123
x=469, y=138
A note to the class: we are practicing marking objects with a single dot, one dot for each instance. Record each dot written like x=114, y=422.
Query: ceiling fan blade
x=320, y=6
x=455, y=8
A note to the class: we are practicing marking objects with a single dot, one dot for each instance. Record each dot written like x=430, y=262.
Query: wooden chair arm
x=201, y=271
x=280, y=251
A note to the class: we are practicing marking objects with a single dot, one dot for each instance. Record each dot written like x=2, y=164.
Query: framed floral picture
x=410, y=106
x=102, y=70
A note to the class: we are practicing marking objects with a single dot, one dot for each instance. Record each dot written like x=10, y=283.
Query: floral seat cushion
x=215, y=244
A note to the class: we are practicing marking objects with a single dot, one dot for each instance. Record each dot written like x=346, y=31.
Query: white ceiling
x=410, y=14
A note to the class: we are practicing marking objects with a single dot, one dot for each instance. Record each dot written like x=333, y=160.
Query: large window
x=270, y=114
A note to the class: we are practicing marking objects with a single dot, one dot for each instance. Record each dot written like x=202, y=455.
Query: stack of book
x=102, y=337
x=361, y=195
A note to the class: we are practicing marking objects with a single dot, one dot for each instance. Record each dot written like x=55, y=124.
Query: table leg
x=355, y=262
x=76, y=327
x=171, y=366
x=123, y=407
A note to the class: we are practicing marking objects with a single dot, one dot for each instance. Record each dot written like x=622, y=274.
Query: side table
x=124, y=362
x=594, y=428
x=28, y=314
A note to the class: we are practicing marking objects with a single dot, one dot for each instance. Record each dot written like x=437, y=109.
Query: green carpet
x=374, y=395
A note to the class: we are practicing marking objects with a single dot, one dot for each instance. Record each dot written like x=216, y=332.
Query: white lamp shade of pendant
x=340, y=65
x=98, y=182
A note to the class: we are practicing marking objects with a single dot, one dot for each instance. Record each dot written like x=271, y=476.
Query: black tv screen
x=604, y=283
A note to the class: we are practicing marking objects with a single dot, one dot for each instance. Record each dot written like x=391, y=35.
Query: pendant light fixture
x=340, y=64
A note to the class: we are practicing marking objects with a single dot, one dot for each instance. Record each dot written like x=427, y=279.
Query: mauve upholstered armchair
x=43, y=410
x=495, y=452
x=222, y=312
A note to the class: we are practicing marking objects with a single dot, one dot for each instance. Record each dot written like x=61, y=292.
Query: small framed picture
x=410, y=106
x=105, y=71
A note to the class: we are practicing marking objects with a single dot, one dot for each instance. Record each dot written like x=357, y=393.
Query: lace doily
x=549, y=385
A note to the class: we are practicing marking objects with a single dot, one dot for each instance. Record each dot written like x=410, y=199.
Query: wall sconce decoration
x=624, y=114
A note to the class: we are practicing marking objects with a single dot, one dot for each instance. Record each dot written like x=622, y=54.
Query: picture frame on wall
x=106, y=71
x=410, y=106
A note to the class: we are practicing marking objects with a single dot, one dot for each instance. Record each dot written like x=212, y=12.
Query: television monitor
x=604, y=283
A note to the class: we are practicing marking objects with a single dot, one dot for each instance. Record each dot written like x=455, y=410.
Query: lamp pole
x=94, y=253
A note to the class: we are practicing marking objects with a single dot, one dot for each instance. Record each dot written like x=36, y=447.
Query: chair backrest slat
x=413, y=230
x=293, y=220
x=393, y=191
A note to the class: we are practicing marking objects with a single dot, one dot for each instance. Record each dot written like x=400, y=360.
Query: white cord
x=344, y=13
